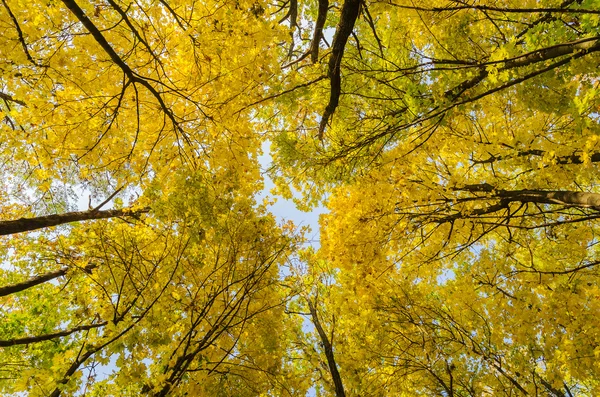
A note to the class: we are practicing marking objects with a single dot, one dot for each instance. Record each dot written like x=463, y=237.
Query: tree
x=460, y=170
x=201, y=284
x=157, y=288
x=439, y=62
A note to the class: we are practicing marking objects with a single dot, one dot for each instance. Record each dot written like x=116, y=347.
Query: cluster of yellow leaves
x=442, y=280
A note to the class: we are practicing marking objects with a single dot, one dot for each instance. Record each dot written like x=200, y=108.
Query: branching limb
x=318, y=32
x=41, y=338
x=9, y=98
x=37, y=280
x=41, y=222
x=349, y=14
x=20, y=34
x=327, y=346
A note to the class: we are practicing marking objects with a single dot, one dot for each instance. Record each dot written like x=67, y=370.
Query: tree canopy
x=455, y=145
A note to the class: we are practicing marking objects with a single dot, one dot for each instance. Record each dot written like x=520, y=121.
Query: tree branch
x=318, y=32
x=562, y=197
x=20, y=34
x=349, y=14
x=570, y=159
x=40, y=338
x=9, y=98
x=589, y=44
x=37, y=280
x=335, y=375
x=41, y=222
x=499, y=9
x=131, y=75
x=505, y=197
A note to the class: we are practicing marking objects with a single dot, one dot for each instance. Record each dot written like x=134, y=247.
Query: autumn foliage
x=455, y=145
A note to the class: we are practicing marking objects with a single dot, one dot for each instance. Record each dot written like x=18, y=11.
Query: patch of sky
x=284, y=209
x=445, y=276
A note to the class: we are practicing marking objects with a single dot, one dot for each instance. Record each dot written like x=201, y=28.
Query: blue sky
x=286, y=210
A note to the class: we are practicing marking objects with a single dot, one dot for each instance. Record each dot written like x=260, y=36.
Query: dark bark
x=587, y=45
x=562, y=197
x=32, y=282
x=90, y=350
x=37, y=280
x=42, y=338
x=318, y=33
x=20, y=34
x=504, y=198
x=349, y=14
x=555, y=392
x=123, y=15
x=570, y=159
x=131, y=75
x=547, y=17
x=516, y=10
x=97, y=35
x=8, y=98
x=72, y=369
x=436, y=113
x=41, y=222
x=333, y=369
x=84, y=356
x=561, y=272
x=293, y=13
